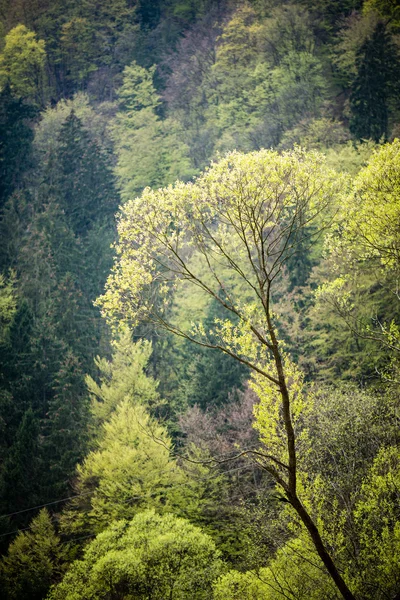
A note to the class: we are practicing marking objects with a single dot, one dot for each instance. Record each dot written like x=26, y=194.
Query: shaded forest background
x=98, y=101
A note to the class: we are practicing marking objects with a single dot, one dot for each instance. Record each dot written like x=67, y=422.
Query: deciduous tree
x=149, y=150
x=244, y=218
x=22, y=64
x=150, y=556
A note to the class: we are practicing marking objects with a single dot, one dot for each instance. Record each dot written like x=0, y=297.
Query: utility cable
x=142, y=497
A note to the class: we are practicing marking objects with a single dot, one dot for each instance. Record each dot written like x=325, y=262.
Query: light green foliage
x=273, y=185
x=243, y=217
x=297, y=87
x=131, y=469
x=8, y=304
x=349, y=40
x=319, y=134
x=364, y=250
x=266, y=77
x=295, y=573
x=349, y=484
x=369, y=219
x=150, y=556
x=268, y=412
x=352, y=489
x=22, y=64
x=347, y=428
x=34, y=561
x=241, y=586
x=237, y=42
x=246, y=183
x=287, y=29
x=387, y=9
x=361, y=522
x=137, y=91
x=349, y=157
x=149, y=150
x=123, y=378
x=377, y=518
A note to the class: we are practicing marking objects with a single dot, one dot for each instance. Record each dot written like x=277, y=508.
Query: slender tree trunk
x=291, y=490
x=320, y=548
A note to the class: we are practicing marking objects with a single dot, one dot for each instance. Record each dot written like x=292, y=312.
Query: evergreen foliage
x=376, y=83
x=122, y=379
x=286, y=259
x=130, y=469
x=34, y=561
x=15, y=142
x=149, y=150
x=84, y=185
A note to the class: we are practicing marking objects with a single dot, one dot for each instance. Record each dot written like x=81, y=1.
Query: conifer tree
x=15, y=142
x=65, y=427
x=375, y=85
x=84, y=186
x=212, y=378
x=19, y=478
x=33, y=562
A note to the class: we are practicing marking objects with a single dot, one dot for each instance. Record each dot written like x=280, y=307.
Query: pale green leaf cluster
x=363, y=249
x=137, y=90
x=47, y=131
x=387, y=9
x=149, y=150
x=350, y=38
x=266, y=77
x=370, y=215
x=295, y=573
x=235, y=585
x=22, y=63
x=123, y=378
x=338, y=291
x=241, y=218
x=269, y=420
x=150, y=556
x=8, y=304
x=377, y=517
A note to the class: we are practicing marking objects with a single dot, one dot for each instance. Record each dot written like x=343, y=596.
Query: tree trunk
x=320, y=548
x=291, y=490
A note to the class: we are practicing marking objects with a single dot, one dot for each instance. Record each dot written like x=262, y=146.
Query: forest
x=199, y=299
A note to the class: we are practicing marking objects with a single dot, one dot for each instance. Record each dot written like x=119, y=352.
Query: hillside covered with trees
x=199, y=299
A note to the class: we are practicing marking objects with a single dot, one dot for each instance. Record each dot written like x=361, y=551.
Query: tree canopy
x=149, y=556
x=245, y=377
